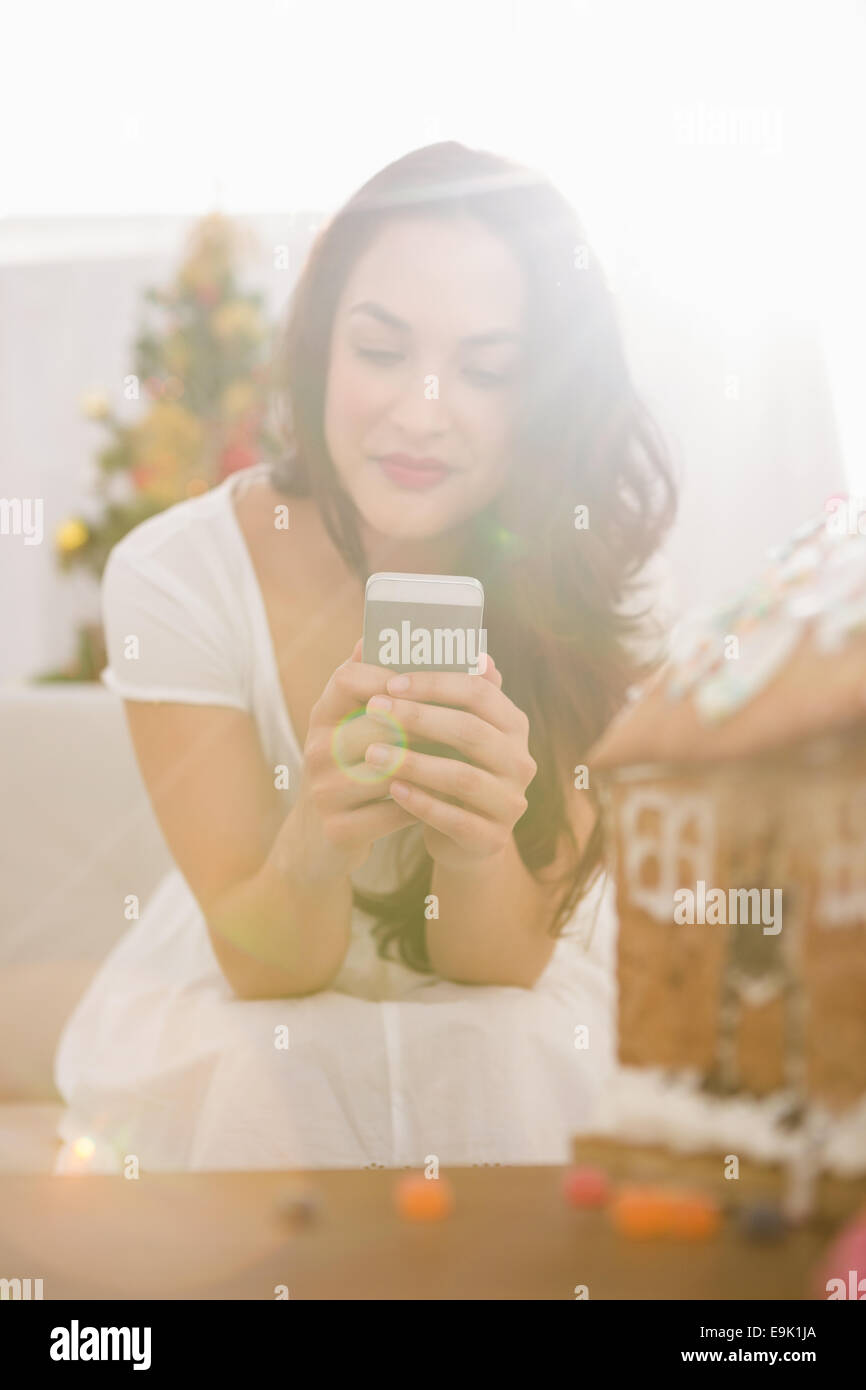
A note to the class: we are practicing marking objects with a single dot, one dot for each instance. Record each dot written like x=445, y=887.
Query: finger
x=466, y=829
x=460, y=691
x=475, y=739
x=357, y=649
x=358, y=784
x=349, y=740
x=487, y=669
x=351, y=685
x=472, y=787
x=372, y=822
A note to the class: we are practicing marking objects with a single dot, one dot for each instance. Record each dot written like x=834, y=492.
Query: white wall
x=752, y=467
x=68, y=320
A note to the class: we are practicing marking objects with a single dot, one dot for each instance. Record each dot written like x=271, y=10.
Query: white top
x=183, y=584
x=388, y=1065
x=185, y=621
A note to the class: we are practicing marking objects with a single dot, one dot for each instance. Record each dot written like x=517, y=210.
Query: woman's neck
x=430, y=555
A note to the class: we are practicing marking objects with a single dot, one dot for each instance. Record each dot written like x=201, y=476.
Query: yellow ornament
x=236, y=319
x=71, y=535
x=176, y=353
x=167, y=448
x=237, y=398
x=95, y=405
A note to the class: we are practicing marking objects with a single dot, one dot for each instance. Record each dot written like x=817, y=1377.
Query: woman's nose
x=420, y=406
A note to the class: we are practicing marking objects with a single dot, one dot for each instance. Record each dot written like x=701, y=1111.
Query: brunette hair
x=553, y=592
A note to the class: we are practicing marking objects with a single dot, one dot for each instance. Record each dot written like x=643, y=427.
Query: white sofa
x=77, y=835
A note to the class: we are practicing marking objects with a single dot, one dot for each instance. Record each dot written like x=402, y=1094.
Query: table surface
x=220, y=1235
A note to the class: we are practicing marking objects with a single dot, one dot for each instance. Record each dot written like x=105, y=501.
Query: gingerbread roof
x=796, y=670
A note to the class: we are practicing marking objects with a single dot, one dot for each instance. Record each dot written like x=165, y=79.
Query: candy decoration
x=809, y=528
x=641, y=1213
x=424, y=1199
x=586, y=1186
x=817, y=576
x=762, y=652
x=762, y=1222
x=646, y=1213
x=836, y=625
x=842, y=1272
x=693, y=1216
x=300, y=1206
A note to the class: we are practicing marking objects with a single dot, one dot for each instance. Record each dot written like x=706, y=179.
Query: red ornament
x=236, y=456
x=208, y=295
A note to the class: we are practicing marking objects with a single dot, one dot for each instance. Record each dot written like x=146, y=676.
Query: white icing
x=675, y=809
x=762, y=651
x=817, y=578
x=648, y=1106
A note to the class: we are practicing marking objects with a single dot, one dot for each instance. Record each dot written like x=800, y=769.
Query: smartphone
x=424, y=622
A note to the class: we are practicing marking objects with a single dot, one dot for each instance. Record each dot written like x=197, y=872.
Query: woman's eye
x=385, y=358
x=484, y=378
x=376, y=355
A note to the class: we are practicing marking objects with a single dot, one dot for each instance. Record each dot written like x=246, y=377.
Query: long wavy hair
x=554, y=589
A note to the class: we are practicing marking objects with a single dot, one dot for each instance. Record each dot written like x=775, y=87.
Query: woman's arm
x=494, y=917
x=273, y=930
x=273, y=884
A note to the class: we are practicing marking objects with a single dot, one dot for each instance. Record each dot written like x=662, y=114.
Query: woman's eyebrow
x=377, y=311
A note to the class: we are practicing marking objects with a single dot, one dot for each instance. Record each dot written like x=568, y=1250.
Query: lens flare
x=363, y=771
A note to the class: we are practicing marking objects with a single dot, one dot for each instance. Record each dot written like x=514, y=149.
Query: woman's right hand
x=343, y=803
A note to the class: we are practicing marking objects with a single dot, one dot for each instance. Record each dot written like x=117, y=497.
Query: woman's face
x=426, y=362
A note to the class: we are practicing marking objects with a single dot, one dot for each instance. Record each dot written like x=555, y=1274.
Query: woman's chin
x=414, y=518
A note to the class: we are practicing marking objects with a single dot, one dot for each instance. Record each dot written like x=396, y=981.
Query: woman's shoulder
x=189, y=525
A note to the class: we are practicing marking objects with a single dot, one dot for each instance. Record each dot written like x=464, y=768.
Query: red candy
x=842, y=1274
x=586, y=1187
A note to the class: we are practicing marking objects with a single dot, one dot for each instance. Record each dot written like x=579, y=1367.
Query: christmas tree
x=203, y=366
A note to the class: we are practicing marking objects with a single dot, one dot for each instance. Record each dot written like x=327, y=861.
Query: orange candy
x=693, y=1216
x=646, y=1213
x=424, y=1199
x=641, y=1213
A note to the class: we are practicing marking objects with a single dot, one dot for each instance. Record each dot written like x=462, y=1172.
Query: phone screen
x=408, y=633
x=422, y=636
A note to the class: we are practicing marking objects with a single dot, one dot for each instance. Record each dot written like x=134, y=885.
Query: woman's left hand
x=472, y=715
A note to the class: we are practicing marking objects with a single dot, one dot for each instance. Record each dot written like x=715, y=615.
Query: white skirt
x=160, y=1062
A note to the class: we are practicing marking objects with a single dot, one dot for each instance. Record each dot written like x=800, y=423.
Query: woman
x=290, y=997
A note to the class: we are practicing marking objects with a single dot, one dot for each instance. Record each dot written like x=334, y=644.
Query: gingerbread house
x=733, y=791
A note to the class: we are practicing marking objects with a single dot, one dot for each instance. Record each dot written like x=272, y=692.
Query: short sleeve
x=164, y=639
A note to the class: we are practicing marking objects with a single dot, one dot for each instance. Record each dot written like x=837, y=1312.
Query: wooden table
x=221, y=1236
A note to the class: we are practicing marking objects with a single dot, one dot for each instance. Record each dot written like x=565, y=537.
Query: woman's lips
x=411, y=473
